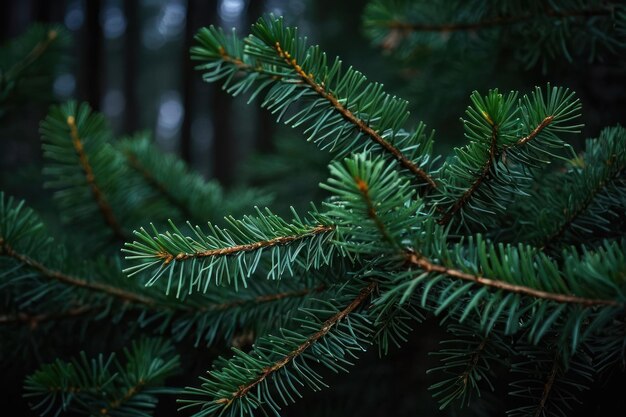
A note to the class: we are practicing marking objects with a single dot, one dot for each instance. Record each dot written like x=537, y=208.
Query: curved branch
x=103, y=205
x=278, y=365
x=359, y=124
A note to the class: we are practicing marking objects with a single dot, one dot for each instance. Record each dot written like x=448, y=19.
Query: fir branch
x=6, y=249
x=571, y=216
x=482, y=176
x=103, y=205
x=38, y=50
x=265, y=298
x=248, y=247
x=326, y=327
x=532, y=135
x=371, y=210
x=33, y=320
x=359, y=124
x=415, y=259
x=407, y=27
x=134, y=163
x=547, y=388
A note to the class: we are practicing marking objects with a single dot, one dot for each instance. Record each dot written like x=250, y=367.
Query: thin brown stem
x=482, y=176
x=473, y=361
x=359, y=124
x=103, y=204
x=532, y=135
x=231, y=250
x=489, y=23
x=547, y=388
x=33, y=320
x=39, y=49
x=371, y=210
x=326, y=327
x=414, y=259
x=572, y=216
x=123, y=295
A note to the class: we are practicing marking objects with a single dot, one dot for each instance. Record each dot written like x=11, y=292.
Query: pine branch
x=7, y=250
x=415, y=259
x=38, y=50
x=326, y=327
x=134, y=163
x=103, y=205
x=231, y=255
x=406, y=27
x=359, y=124
x=482, y=176
x=33, y=320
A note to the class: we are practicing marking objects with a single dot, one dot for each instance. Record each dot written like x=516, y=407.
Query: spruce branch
x=278, y=365
x=329, y=333
x=232, y=254
x=407, y=27
x=7, y=250
x=103, y=205
x=426, y=265
x=359, y=124
x=33, y=320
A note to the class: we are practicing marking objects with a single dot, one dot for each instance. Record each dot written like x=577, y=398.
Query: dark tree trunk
x=131, y=74
x=188, y=83
x=91, y=68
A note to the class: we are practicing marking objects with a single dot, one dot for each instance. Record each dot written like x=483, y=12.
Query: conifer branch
x=123, y=295
x=371, y=210
x=326, y=327
x=407, y=27
x=572, y=216
x=39, y=49
x=103, y=205
x=249, y=247
x=359, y=124
x=482, y=176
x=134, y=163
x=547, y=388
x=420, y=261
x=473, y=361
x=265, y=298
x=532, y=135
x=33, y=320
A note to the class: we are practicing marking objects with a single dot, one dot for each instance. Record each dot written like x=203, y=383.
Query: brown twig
x=103, y=205
x=484, y=172
x=72, y=280
x=547, y=387
x=371, y=210
x=421, y=262
x=326, y=327
x=230, y=250
x=33, y=320
x=359, y=124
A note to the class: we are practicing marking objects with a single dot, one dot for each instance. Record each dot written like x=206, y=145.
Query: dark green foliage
x=514, y=242
x=104, y=385
x=27, y=65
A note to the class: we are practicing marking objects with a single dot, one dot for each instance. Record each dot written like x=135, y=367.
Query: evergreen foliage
x=514, y=242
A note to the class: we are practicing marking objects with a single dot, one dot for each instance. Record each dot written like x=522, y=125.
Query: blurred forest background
x=130, y=60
